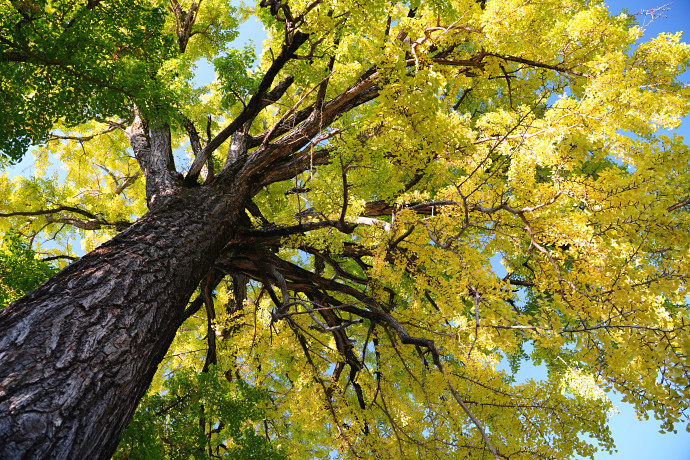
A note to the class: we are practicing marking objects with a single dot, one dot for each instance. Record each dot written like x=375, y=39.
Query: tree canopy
x=429, y=190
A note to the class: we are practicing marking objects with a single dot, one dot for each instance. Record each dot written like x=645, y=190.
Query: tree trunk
x=78, y=353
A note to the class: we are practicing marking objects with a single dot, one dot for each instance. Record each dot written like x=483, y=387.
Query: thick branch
x=256, y=103
x=257, y=162
x=154, y=154
x=184, y=21
x=303, y=161
x=88, y=224
x=253, y=262
x=193, y=135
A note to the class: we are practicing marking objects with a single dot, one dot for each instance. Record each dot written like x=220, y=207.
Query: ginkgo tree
x=313, y=276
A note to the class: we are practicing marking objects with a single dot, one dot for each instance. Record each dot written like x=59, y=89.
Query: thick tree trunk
x=77, y=354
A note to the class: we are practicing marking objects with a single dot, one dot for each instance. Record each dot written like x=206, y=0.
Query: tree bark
x=79, y=352
x=154, y=154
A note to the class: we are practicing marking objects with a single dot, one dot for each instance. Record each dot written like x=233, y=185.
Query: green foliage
x=236, y=82
x=71, y=61
x=20, y=271
x=167, y=424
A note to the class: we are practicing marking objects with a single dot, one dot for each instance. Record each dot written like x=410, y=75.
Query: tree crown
x=392, y=150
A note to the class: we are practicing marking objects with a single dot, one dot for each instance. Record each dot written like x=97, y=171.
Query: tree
x=338, y=258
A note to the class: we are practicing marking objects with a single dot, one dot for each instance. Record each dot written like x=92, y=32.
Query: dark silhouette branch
x=255, y=105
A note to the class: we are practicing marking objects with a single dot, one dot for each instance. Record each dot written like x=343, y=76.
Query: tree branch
x=154, y=153
x=184, y=21
x=679, y=204
x=256, y=103
x=541, y=65
x=302, y=161
x=301, y=135
x=42, y=212
x=88, y=224
x=54, y=136
x=193, y=135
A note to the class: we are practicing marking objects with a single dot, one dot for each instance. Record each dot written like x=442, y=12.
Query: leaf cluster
x=167, y=425
x=236, y=81
x=77, y=61
x=20, y=270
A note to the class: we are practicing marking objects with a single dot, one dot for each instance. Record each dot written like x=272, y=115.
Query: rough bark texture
x=154, y=154
x=78, y=353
